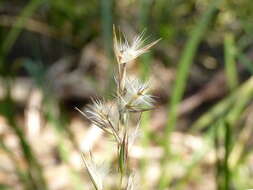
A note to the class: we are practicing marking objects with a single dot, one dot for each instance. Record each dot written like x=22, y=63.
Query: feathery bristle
x=126, y=52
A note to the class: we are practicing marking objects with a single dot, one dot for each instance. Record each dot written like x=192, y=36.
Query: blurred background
x=57, y=54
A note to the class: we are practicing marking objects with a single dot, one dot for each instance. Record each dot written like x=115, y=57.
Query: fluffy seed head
x=136, y=96
x=126, y=52
x=102, y=115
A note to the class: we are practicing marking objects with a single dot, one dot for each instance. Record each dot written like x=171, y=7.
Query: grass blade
x=184, y=66
x=16, y=30
x=230, y=63
x=243, y=93
x=182, y=75
x=106, y=19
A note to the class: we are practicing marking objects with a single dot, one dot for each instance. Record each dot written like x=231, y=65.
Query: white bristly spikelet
x=127, y=52
x=103, y=115
x=136, y=97
x=97, y=173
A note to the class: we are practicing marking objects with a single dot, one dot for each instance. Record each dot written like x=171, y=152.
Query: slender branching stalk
x=132, y=97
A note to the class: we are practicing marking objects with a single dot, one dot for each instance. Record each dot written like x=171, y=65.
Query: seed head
x=102, y=115
x=126, y=52
x=136, y=96
x=131, y=96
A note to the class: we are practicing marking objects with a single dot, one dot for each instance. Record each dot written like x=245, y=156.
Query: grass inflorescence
x=132, y=97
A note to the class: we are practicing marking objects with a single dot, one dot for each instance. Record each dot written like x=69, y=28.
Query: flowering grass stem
x=131, y=97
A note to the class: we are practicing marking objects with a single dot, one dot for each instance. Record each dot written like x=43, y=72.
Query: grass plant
x=132, y=97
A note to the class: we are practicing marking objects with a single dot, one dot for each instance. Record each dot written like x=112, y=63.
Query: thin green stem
x=230, y=62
